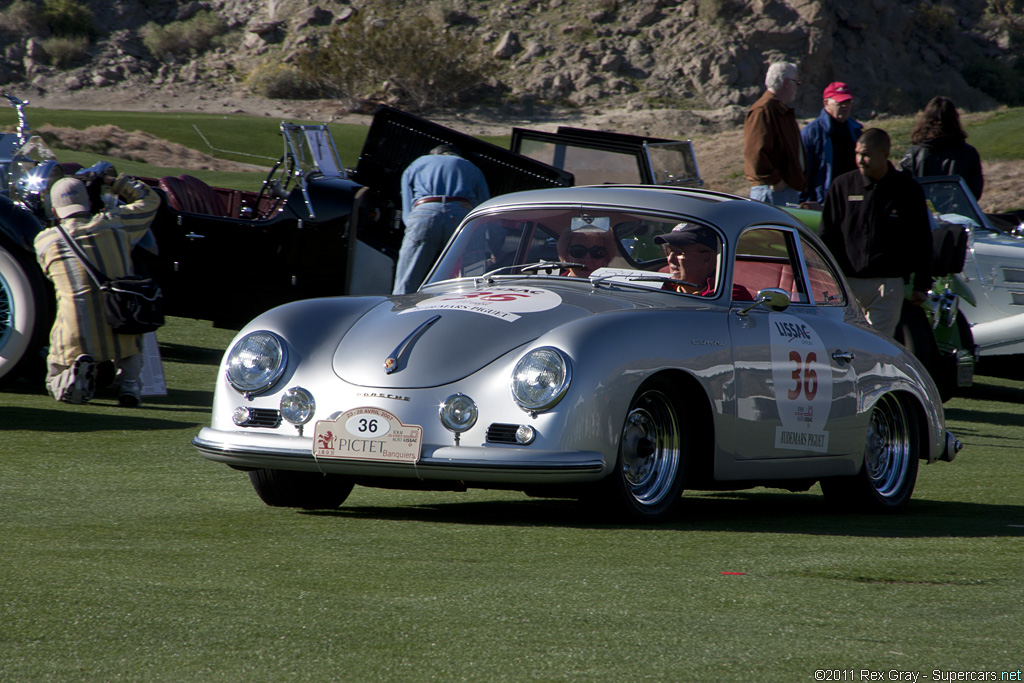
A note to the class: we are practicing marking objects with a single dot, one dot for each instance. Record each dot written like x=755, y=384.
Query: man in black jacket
x=875, y=222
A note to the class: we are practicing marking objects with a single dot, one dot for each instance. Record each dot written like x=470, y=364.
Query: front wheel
x=650, y=468
x=891, y=453
x=306, y=490
x=24, y=315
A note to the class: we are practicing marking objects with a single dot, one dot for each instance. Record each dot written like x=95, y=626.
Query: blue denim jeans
x=429, y=228
x=765, y=193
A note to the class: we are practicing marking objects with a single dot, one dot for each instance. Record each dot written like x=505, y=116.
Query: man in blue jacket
x=828, y=142
x=438, y=190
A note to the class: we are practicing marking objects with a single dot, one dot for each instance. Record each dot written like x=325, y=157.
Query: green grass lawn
x=127, y=556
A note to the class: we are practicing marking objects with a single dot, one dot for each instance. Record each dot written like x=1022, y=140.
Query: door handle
x=195, y=236
x=842, y=356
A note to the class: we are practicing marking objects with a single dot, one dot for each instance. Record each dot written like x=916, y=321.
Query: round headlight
x=297, y=406
x=540, y=379
x=458, y=413
x=255, y=362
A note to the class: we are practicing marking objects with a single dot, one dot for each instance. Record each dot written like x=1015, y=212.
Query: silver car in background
x=991, y=284
x=503, y=371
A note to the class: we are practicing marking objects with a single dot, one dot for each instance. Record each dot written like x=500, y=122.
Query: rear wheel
x=306, y=490
x=24, y=315
x=891, y=453
x=651, y=464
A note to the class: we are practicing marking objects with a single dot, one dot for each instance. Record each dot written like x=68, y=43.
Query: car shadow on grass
x=190, y=355
x=67, y=419
x=742, y=512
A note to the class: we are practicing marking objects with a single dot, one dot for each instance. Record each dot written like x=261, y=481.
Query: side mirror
x=772, y=298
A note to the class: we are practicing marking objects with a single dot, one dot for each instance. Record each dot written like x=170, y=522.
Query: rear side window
x=826, y=288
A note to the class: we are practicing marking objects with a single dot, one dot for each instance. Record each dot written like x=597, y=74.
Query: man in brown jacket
x=773, y=158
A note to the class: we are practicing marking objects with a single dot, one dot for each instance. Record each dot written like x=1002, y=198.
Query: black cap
x=689, y=233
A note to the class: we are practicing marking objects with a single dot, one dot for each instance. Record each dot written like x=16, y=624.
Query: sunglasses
x=580, y=251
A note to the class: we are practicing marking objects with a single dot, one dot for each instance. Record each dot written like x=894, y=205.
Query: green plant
x=718, y=11
x=68, y=17
x=995, y=79
x=65, y=50
x=22, y=19
x=181, y=38
x=409, y=59
x=280, y=81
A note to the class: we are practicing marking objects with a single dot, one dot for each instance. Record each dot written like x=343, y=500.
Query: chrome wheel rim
x=6, y=311
x=649, y=453
x=888, y=453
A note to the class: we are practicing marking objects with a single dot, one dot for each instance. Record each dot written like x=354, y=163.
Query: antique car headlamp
x=540, y=379
x=255, y=362
x=458, y=413
x=297, y=406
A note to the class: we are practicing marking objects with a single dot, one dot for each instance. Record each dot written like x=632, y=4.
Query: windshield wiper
x=530, y=268
x=641, y=278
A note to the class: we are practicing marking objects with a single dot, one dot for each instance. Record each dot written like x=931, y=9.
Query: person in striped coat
x=81, y=337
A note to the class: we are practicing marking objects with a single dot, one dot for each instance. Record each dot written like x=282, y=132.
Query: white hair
x=777, y=74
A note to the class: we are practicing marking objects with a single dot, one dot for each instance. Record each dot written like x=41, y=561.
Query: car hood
x=443, y=335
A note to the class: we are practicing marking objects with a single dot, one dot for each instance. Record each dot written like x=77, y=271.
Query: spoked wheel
x=306, y=490
x=891, y=453
x=649, y=472
x=24, y=315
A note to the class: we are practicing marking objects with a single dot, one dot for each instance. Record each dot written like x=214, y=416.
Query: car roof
x=730, y=213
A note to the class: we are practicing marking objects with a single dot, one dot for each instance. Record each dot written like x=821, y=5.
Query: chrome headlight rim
x=263, y=380
x=551, y=397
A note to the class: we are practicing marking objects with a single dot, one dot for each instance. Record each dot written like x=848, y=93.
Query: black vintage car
x=312, y=229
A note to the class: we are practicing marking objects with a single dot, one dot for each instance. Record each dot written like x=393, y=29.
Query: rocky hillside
x=637, y=54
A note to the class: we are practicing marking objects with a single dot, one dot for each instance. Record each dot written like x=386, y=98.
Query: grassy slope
x=257, y=137
x=997, y=135
x=126, y=556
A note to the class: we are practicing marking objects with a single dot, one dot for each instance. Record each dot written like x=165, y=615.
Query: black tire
x=892, y=452
x=306, y=490
x=650, y=469
x=25, y=316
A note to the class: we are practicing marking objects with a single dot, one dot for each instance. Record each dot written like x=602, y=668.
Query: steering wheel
x=274, y=187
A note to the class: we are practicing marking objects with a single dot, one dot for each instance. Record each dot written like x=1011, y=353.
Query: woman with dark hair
x=940, y=147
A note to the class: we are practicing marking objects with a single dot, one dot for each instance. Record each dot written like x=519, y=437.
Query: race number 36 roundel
x=802, y=376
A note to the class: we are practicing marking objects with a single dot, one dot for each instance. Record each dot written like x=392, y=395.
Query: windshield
x=951, y=201
x=583, y=241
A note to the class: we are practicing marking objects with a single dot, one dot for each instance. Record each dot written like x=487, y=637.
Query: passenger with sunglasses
x=591, y=249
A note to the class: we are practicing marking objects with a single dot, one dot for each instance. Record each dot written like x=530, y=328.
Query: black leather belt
x=428, y=200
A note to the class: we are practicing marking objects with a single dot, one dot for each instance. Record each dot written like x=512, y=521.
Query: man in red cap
x=829, y=141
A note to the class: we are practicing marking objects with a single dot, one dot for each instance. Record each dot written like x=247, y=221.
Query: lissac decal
x=792, y=330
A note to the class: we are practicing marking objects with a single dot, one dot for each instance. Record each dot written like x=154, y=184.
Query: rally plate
x=367, y=434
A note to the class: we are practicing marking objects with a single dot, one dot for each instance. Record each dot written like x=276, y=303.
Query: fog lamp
x=458, y=413
x=297, y=406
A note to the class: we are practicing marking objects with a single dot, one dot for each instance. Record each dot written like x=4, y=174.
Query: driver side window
x=767, y=258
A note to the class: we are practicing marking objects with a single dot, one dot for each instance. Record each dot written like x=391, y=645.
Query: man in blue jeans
x=773, y=157
x=438, y=190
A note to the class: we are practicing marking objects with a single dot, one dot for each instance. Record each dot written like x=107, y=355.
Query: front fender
x=19, y=226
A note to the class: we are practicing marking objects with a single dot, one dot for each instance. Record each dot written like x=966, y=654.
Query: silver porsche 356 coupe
x=618, y=344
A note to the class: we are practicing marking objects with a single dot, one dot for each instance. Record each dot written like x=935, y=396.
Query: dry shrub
x=183, y=38
x=411, y=60
x=63, y=51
